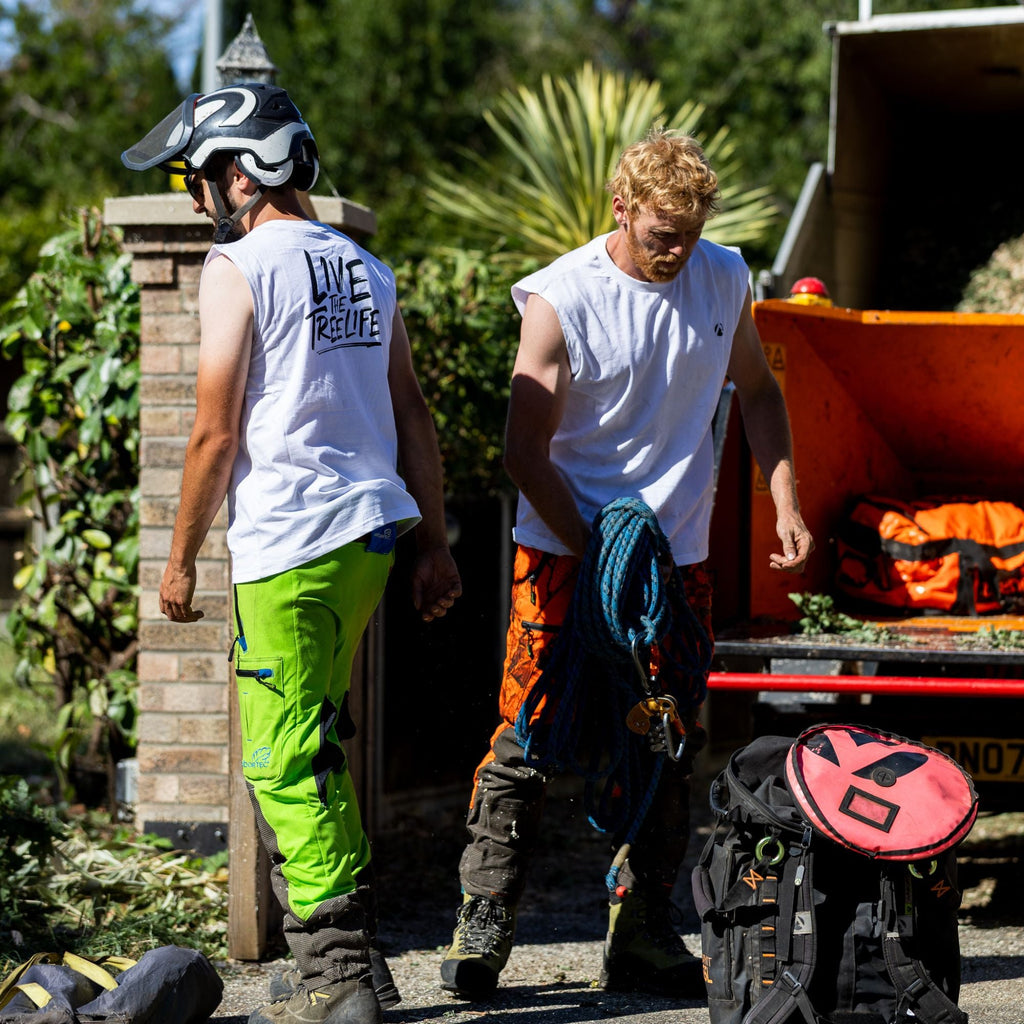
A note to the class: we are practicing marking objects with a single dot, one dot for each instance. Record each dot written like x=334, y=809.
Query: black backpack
x=168, y=985
x=827, y=891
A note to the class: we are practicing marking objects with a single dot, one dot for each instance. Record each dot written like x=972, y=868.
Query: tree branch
x=35, y=109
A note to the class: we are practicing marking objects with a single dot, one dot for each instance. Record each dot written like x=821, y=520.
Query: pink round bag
x=879, y=794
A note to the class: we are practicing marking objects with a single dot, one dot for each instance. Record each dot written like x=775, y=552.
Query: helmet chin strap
x=226, y=221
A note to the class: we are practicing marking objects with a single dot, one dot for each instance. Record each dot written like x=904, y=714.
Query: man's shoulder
x=298, y=231
x=575, y=264
x=282, y=238
x=726, y=257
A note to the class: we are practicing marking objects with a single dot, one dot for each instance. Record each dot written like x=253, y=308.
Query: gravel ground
x=551, y=976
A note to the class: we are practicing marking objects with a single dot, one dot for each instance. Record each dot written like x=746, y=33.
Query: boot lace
x=483, y=927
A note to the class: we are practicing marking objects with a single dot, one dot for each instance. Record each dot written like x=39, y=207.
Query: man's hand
x=176, y=590
x=435, y=583
x=797, y=543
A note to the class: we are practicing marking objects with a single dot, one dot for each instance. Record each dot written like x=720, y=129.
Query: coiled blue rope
x=574, y=719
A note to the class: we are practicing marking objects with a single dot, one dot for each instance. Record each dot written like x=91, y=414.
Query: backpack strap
x=915, y=989
x=795, y=945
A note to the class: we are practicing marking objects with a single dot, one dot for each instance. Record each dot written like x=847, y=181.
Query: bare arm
x=540, y=383
x=435, y=580
x=766, y=424
x=225, y=317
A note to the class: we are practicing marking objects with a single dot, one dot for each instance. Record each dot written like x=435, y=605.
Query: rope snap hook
x=642, y=670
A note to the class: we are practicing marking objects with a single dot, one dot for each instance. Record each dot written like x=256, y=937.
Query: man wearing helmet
x=306, y=400
x=253, y=126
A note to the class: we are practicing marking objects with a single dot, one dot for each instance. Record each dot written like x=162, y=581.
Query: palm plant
x=562, y=143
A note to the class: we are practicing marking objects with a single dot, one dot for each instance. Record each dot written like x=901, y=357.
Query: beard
x=659, y=269
x=223, y=229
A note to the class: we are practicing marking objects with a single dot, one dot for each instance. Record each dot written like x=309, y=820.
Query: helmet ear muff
x=300, y=175
x=270, y=178
x=307, y=170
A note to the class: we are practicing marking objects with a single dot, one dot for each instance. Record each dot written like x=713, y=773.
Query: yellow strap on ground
x=119, y=963
x=90, y=970
x=9, y=986
x=35, y=992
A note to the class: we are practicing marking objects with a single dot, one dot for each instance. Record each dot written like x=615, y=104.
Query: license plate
x=984, y=758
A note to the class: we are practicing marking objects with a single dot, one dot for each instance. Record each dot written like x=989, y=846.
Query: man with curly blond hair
x=624, y=348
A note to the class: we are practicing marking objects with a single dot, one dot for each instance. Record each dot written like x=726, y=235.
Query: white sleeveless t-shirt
x=648, y=361
x=316, y=464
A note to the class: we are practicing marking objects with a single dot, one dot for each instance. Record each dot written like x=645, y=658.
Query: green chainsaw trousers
x=296, y=636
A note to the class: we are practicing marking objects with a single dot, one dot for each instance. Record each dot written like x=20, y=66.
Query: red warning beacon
x=810, y=291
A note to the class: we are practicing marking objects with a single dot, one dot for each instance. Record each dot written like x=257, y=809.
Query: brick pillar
x=183, y=788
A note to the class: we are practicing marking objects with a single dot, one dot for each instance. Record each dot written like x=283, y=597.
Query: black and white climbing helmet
x=256, y=121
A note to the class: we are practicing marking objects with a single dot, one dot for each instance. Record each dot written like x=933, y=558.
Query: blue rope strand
x=591, y=679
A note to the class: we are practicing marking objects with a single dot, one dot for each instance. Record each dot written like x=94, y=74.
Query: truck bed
x=923, y=684
x=936, y=643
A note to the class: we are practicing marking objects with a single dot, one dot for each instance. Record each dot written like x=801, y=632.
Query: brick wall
x=184, y=777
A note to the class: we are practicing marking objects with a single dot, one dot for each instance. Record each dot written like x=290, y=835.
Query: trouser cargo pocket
x=261, y=707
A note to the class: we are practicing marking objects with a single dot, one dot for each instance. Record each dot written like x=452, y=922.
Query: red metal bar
x=931, y=686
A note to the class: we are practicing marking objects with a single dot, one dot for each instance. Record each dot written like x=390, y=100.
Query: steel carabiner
x=666, y=724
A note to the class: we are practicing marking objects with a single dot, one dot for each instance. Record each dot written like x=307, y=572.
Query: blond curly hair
x=666, y=173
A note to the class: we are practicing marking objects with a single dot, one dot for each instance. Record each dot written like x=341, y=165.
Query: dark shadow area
x=991, y=968
x=418, y=867
x=566, y=899
x=532, y=1004
x=18, y=757
x=440, y=686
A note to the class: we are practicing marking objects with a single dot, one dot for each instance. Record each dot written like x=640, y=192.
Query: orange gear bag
x=962, y=557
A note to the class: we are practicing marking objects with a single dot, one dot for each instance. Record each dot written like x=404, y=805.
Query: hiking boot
x=284, y=983
x=480, y=947
x=383, y=983
x=337, y=1002
x=644, y=952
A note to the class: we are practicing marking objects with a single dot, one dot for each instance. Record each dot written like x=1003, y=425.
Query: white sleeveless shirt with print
x=648, y=361
x=316, y=464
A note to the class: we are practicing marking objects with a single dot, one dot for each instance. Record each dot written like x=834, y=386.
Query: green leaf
x=75, y=413
x=22, y=576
